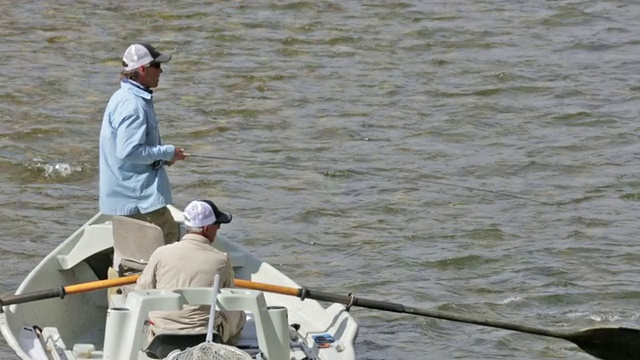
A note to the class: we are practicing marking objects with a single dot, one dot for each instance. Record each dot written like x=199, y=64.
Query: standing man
x=133, y=178
x=193, y=262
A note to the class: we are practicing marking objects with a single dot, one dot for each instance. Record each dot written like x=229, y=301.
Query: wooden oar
x=61, y=291
x=608, y=343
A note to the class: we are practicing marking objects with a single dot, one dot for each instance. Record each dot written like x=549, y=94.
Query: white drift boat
x=98, y=325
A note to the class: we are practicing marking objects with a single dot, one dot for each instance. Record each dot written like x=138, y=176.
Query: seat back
x=134, y=241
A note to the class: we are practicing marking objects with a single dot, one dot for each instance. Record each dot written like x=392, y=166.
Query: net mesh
x=210, y=351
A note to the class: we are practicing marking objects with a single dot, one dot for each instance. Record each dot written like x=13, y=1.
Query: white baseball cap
x=201, y=213
x=138, y=55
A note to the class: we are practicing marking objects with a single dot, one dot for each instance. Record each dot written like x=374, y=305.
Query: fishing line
x=434, y=182
x=245, y=160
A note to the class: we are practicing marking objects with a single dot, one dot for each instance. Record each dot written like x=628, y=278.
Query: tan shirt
x=191, y=262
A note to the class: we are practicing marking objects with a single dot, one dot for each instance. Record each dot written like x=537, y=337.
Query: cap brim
x=224, y=218
x=163, y=58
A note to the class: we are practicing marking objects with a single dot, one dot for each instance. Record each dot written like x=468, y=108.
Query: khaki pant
x=228, y=331
x=163, y=218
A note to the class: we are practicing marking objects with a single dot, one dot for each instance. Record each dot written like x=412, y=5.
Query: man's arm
x=131, y=129
x=147, y=280
x=227, y=274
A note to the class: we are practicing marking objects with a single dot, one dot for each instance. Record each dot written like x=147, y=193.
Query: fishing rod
x=434, y=182
x=243, y=160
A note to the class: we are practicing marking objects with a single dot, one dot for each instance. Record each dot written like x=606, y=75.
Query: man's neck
x=138, y=85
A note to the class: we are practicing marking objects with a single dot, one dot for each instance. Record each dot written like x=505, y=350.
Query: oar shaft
x=389, y=306
x=483, y=322
x=603, y=343
x=355, y=301
x=101, y=284
x=284, y=290
x=62, y=291
x=246, y=284
x=32, y=296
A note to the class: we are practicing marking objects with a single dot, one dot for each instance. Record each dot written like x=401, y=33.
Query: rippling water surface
x=477, y=157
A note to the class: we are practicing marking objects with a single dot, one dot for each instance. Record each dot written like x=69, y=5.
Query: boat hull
x=81, y=318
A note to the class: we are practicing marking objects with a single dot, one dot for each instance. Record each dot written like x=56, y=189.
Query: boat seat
x=125, y=336
x=99, y=239
x=133, y=242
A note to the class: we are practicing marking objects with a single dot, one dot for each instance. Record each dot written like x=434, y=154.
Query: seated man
x=193, y=262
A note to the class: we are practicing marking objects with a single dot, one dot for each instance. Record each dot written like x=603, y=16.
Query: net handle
x=212, y=312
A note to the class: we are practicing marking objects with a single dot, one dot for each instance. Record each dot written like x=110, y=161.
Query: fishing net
x=210, y=351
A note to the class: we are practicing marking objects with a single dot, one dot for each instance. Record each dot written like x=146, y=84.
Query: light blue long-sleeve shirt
x=129, y=143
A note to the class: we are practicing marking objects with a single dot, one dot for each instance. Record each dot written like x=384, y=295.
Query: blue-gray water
x=373, y=122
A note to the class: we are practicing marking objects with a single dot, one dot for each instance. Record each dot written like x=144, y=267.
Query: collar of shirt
x=197, y=238
x=136, y=88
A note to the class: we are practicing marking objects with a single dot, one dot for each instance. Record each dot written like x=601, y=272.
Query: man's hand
x=179, y=154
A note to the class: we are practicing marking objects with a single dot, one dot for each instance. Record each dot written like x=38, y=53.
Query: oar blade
x=614, y=343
